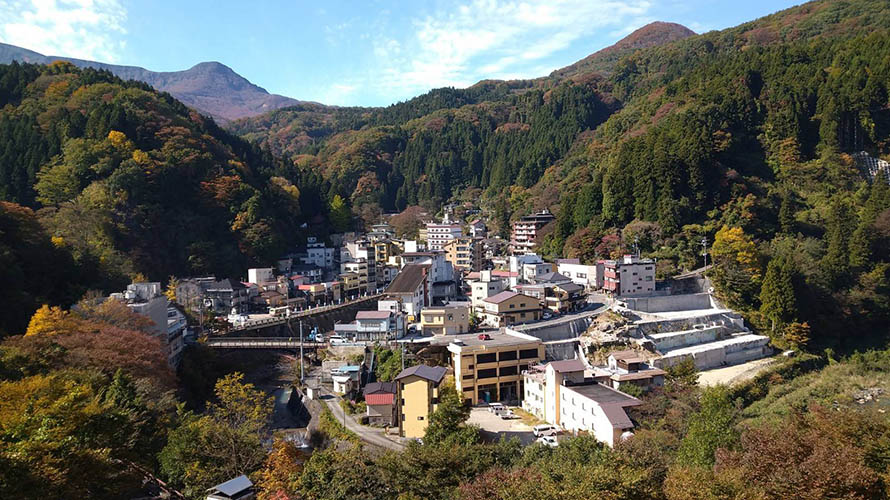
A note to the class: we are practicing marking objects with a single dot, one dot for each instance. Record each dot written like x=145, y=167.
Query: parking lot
x=493, y=426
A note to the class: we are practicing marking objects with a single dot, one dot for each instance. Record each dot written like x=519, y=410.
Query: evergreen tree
x=777, y=301
x=786, y=213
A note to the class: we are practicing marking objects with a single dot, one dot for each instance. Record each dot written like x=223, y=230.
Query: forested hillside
x=743, y=137
x=128, y=182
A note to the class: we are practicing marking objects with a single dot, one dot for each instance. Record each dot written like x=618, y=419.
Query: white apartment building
x=486, y=286
x=590, y=276
x=319, y=254
x=437, y=235
x=529, y=266
x=260, y=275
x=560, y=394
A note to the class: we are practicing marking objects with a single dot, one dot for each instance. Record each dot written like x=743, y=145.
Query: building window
x=512, y=306
x=508, y=371
x=468, y=377
x=507, y=356
x=528, y=353
x=486, y=358
x=487, y=373
x=419, y=418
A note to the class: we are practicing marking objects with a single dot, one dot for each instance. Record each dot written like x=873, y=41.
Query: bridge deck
x=263, y=323
x=260, y=343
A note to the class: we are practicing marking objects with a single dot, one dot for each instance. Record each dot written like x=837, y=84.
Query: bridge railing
x=258, y=323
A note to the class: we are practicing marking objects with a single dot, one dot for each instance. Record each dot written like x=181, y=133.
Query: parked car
x=338, y=340
x=496, y=407
x=508, y=414
x=547, y=315
x=544, y=430
x=548, y=441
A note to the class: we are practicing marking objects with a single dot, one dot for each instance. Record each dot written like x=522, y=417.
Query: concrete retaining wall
x=561, y=351
x=670, y=303
x=734, y=350
x=673, y=340
x=562, y=331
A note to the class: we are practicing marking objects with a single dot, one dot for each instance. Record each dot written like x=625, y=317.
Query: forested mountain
x=750, y=129
x=129, y=181
x=603, y=61
x=209, y=87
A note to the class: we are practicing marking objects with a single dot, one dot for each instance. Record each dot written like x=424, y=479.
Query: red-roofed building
x=380, y=398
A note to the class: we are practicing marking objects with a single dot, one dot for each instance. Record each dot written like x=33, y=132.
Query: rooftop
x=372, y=315
x=568, y=365
x=496, y=339
x=408, y=279
x=380, y=387
x=232, y=487
x=431, y=373
x=628, y=356
x=604, y=395
x=500, y=297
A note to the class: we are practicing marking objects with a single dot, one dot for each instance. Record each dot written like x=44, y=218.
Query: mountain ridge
x=210, y=86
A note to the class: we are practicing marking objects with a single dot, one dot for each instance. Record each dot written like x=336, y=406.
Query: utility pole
x=704, y=249
x=403, y=356
x=301, y=352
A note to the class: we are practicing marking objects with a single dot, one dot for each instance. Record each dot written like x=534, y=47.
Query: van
x=496, y=407
x=544, y=430
x=338, y=340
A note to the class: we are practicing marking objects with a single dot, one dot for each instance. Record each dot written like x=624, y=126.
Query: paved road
x=565, y=318
x=370, y=435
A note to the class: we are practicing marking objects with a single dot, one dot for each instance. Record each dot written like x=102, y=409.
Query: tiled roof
x=500, y=297
x=568, y=365
x=628, y=356
x=380, y=387
x=380, y=399
x=372, y=315
x=408, y=279
x=431, y=373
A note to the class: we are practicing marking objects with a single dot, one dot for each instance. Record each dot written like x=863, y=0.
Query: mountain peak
x=210, y=86
x=602, y=61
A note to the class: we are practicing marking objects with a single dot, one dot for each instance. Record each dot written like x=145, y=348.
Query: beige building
x=508, y=308
x=464, y=253
x=418, y=398
x=450, y=319
x=488, y=367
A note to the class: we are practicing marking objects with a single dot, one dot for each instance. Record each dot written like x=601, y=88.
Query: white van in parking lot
x=544, y=430
x=496, y=407
x=338, y=340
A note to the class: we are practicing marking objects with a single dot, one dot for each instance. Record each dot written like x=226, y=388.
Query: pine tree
x=786, y=213
x=777, y=301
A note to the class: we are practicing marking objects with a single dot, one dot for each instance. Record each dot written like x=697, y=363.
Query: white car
x=548, y=441
x=496, y=407
x=544, y=430
x=338, y=340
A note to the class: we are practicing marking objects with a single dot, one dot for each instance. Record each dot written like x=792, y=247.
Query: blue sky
x=370, y=52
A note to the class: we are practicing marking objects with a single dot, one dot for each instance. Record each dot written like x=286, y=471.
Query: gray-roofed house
x=239, y=488
x=411, y=288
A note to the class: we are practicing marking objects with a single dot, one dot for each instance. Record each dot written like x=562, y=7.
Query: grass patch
x=527, y=418
x=795, y=385
x=333, y=428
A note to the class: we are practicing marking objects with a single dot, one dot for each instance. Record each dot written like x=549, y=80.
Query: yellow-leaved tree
x=50, y=321
x=736, y=273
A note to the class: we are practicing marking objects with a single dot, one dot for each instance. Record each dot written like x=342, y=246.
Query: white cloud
x=493, y=39
x=85, y=29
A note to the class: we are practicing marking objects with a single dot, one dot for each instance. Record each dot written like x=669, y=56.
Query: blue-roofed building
x=346, y=378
